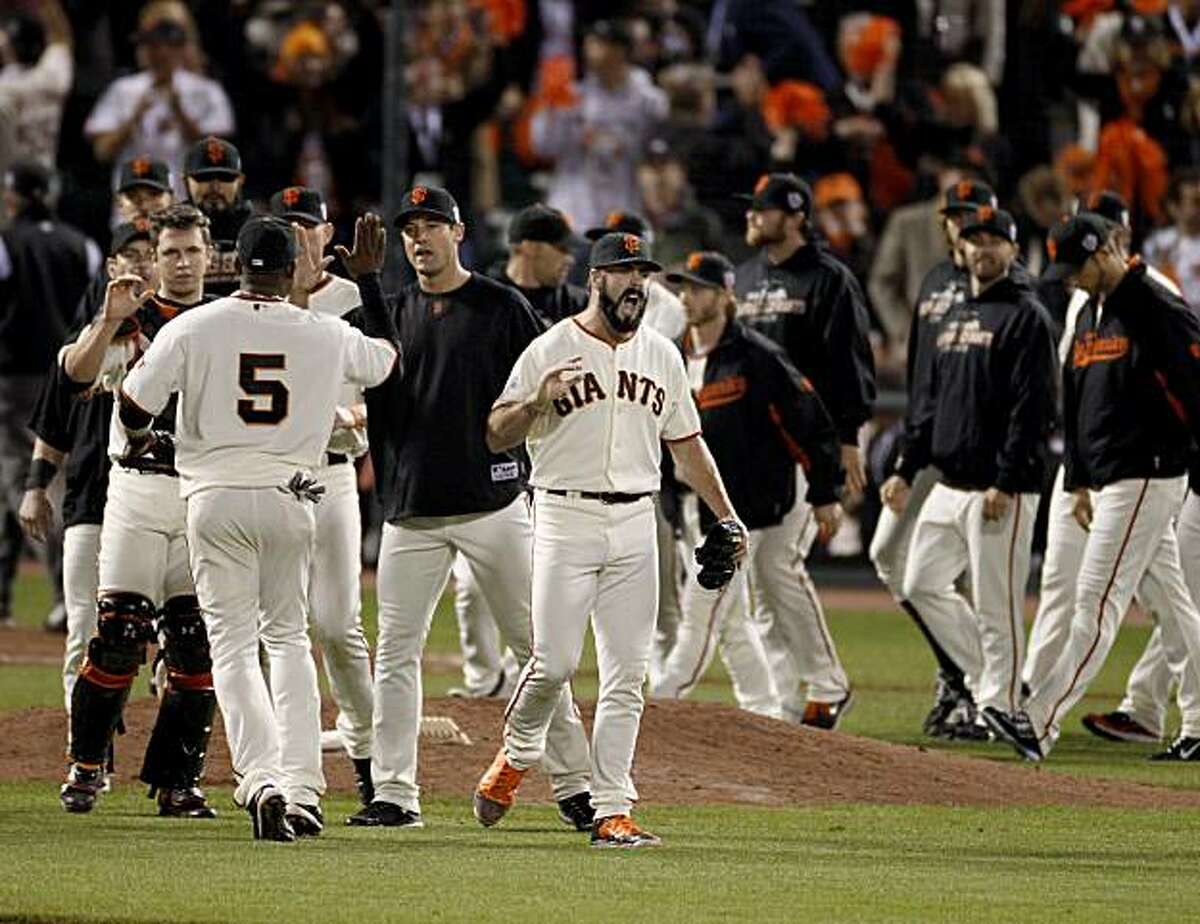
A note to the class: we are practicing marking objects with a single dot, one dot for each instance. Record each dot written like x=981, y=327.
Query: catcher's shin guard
x=113, y=657
x=178, y=745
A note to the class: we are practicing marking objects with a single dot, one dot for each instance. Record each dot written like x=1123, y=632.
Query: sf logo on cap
x=291, y=195
x=614, y=219
x=418, y=195
x=761, y=184
x=986, y=213
x=214, y=151
x=142, y=223
x=140, y=166
x=633, y=245
x=1052, y=248
x=963, y=189
x=694, y=261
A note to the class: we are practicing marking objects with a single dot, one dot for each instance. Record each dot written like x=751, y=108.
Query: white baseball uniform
x=258, y=381
x=334, y=585
x=591, y=558
x=489, y=667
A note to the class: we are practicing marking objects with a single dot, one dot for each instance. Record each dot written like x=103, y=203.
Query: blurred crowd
x=659, y=108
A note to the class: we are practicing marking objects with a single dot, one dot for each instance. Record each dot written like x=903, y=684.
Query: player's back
x=258, y=387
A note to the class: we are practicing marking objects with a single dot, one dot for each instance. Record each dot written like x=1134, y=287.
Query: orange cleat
x=497, y=790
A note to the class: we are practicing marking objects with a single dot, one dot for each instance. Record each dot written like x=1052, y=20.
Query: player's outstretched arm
x=364, y=263
x=695, y=467
x=84, y=358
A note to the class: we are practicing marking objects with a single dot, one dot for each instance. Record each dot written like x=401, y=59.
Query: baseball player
x=1129, y=386
x=1141, y=716
x=444, y=492
x=986, y=428
x=334, y=588
x=72, y=425
x=143, y=187
x=592, y=398
x=212, y=170
x=945, y=285
x=800, y=296
x=748, y=395
x=258, y=381
x=144, y=575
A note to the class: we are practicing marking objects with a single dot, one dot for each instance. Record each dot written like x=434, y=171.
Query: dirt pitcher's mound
x=687, y=753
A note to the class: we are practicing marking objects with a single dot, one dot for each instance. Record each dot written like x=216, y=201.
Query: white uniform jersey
x=337, y=297
x=604, y=434
x=258, y=381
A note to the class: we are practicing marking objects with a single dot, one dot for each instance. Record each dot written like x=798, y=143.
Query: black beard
x=609, y=307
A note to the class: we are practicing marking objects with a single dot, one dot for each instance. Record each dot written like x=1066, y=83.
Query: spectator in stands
x=681, y=224
x=777, y=32
x=44, y=269
x=840, y=214
x=1176, y=249
x=167, y=105
x=597, y=143
x=970, y=31
x=34, y=81
x=1044, y=199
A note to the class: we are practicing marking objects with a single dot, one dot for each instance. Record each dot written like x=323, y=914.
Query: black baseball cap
x=163, y=32
x=1073, y=241
x=612, y=31
x=213, y=158
x=144, y=171
x=705, y=268
x=29, y=179
x=127, y=232
x=266, y=244
x=539, y=222
x=299, y=203
x=992, y=221
x=621, y=249
x=969, y=195
x=784, y=191
x=431, y=202
x=626, y=223
x=1107, y=203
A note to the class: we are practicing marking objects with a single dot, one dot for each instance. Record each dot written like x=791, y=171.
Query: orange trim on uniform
x=1014, y=612
x=108, y=681
x=682, y=439
x=712, y=624
x=722, y=392
x=180, y=681
x=611, y=346
x=1176, y=404
x=1099, y=611
x=798, y=455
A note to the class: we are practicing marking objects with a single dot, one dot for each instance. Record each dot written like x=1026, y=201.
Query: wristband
x=41, y=473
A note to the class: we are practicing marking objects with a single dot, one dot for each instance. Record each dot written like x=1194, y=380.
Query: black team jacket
x=760, y=418
x=1131, y=385
x=991, y=394
x=812, y=306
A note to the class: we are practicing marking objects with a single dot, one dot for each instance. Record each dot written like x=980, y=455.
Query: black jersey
x=550, y=303
x=222, y=276
x=812, y=306
x=427, y=426
x=74, y=419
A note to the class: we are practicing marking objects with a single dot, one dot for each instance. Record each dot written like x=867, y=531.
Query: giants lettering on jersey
x=936, y=306
x=639, y=389
x=768, y=300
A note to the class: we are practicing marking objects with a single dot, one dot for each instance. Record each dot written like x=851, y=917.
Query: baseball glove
x=151, y=454
x=304, y=487
x=718, y=554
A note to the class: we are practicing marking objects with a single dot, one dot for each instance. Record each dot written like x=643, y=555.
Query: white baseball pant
x=1150, y=682
x=716, y=620
x=988, y=639
x=81, y=577
x=1130, y=532
x=250, y=551
x=143, y=542
x=788, y=612
x=598, y=561
x=335, y=605
x=414, y=563
x=489, y=668
x=893, y=533
x=671, y=575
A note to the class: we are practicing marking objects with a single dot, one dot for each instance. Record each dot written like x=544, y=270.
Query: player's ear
x=460, y=233
x=237, y=264
x=326, y=234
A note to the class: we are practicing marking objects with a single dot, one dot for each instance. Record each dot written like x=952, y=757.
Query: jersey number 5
x=249, y=409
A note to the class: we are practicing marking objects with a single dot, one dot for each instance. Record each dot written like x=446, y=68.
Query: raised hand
x=557, y=380
x=310, y=265
x=370, y=247
x=124, y=296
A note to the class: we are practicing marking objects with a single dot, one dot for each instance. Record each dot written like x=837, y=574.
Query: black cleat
x=385, y=815
x=1016, y=729
x=949, y=695
x=1184, y=749
x=184, y=802
x=306, y=820
x=78, y=794
x=362, y=780
x=576, y=811
x=268, y=812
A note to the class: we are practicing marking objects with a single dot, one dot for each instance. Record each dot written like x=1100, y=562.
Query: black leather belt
x=605, y=497
x=335, y=458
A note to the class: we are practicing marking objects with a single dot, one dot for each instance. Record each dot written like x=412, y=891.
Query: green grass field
x=849, y=863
